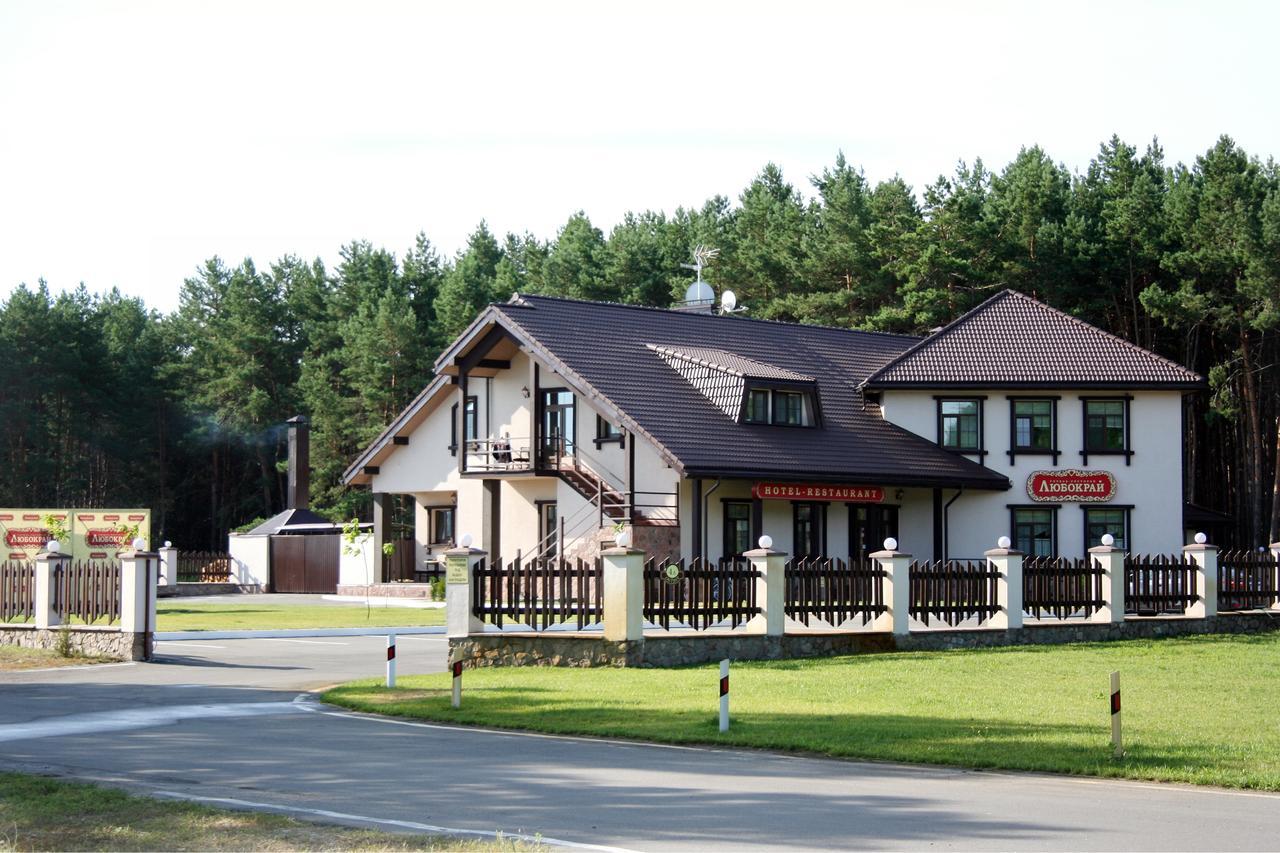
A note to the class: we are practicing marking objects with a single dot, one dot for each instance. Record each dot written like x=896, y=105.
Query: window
x=1102, y=520
x=737, y=528
x=788, y=408
x=453, y=430
x=442, y=526
x=808, y=527
x=607, y=431
x=1106, y=427
x=1033, y=427
x=1035, y=530
x=471, y=420
x=960, y=424
x=757, y=406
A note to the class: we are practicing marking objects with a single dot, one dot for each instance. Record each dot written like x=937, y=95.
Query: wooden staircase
x=584, y=481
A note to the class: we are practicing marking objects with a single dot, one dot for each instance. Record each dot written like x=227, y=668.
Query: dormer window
x=778, y=407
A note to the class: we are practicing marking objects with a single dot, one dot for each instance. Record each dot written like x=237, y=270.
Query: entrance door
x=869, y=526
x=558, y=419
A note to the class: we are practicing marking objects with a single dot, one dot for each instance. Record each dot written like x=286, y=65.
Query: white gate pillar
x=897, y=589
x=1275, y=555
x=460, y=566
x=1111, y=559
x=168, y=565
x=771, y=589
x=1206, y=560
x=1008, y=563
x=48, y=564
x=623, y=592
x=139, y=571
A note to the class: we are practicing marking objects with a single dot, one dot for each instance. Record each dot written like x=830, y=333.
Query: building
x=552, y=420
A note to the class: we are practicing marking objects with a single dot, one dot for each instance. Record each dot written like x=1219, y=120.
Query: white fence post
x=1206, y=560
x=1111, y=559
x=48, y=563
x=623, y=592
x=138, y=578
x=1008, y=563
x=168, y=565
x=897, y=589
x=1275, y=554
x=771, y=590
x=460, y=563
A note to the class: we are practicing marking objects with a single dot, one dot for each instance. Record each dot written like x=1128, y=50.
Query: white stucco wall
x=1151, y=482
x=250, y=558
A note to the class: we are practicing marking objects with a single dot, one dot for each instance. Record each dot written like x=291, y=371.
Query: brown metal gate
x=305, y=563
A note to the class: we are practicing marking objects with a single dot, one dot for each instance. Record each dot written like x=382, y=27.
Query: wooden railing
x=538, y=593
x=1061, y=588
x=204, y=567
x=17, y=591
x=1159, y=583
x=88, y=590
x=833, y=591
x=699, y=594
x=953, y=591
x=1248, y=580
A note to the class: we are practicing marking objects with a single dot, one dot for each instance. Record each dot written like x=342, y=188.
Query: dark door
x=869, y=526
x=557, y=426
x=305, y=563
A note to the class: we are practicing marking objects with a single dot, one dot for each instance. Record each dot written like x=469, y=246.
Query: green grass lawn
x=183, y=615
x=1203, y=709
x=38, y=813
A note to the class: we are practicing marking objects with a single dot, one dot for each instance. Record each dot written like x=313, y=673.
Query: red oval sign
x=1071, y=486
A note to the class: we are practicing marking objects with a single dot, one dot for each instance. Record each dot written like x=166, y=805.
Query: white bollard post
x=771, y=589
x=1275, y=556
x=1117, y=741
x=457, y=684
x=897, y=589
x=1206, y=559
x=391, y=660
x=1009, y=585
x=724, y=695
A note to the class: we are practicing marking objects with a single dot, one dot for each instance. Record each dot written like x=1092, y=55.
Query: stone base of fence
x=588, y=650
x=388, y=590
x=86, y=640
x=183, y=589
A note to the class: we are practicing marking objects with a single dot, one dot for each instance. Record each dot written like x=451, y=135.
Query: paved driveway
x=229, y=722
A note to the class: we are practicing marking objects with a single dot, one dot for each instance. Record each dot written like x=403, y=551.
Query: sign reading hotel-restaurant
x=96, y=534
x=817, y=492
x=1071, y=486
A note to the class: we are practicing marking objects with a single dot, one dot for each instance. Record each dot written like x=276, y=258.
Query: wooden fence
x=538, y=593
x=833, y=591
x=1247, y=580
x=953, y=591
x=699, y=594
x=17, y=591
x=88, y=590
x=1159, y=583
x=204, y=567
x=1062, y=588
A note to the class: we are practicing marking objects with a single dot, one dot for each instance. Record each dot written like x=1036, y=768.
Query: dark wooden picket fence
x=1061, y=588
x=538, y=593
x=833, y=591
x=1159, y=583
x=1247, y=580
x=953, y=591
x=204, y=567
x=17, y=591
x=699, y=594
x=88, y=590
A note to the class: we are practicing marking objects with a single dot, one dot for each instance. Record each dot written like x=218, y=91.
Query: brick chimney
x=299, y=491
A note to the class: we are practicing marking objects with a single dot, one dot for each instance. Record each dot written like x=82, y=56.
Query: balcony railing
x=499, y=454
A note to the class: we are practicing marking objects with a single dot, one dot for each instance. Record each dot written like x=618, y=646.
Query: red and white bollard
x=457, y=684
x=391, y=660
x=724, y=695
x=1116, y=741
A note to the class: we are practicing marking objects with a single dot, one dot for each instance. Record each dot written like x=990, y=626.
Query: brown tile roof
x=1012, y=340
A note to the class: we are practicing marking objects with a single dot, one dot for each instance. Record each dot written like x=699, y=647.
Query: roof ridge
x=936, y=336
x=682, y=352
x=524, y=297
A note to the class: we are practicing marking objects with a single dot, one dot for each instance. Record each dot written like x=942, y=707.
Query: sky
x=141, y=138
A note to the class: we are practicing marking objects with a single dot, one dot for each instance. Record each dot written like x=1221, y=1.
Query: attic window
x=779, y=406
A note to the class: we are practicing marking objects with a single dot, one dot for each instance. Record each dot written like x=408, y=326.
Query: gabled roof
x=1012, y=340
x=602, y=350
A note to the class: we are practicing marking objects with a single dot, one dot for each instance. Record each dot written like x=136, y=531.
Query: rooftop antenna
x=699, y=296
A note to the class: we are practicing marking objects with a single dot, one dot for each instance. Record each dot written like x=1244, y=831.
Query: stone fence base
x=388, y=590
x=89, y=640
x=585, y=650
x=184, y=589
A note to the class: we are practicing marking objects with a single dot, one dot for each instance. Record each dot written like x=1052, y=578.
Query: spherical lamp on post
x=765, y=542
x=53, y=546
x=891, y=544
x=1108, y=540
x=1004, y=542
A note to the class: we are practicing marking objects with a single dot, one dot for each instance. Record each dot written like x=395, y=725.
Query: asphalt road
x=230, y=722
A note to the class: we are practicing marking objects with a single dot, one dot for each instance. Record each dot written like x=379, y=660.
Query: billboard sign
x=95, y=534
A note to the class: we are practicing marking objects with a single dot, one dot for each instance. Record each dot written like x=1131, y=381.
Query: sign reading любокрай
x=1071, y=486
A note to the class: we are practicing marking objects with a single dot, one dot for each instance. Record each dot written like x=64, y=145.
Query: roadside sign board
x=96, y=534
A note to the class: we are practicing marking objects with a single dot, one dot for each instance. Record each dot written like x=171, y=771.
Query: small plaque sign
x=818, y=492
x=1071, y=486
x=456, y=570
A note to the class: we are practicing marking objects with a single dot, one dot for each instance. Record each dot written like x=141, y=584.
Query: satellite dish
x=728, y=301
